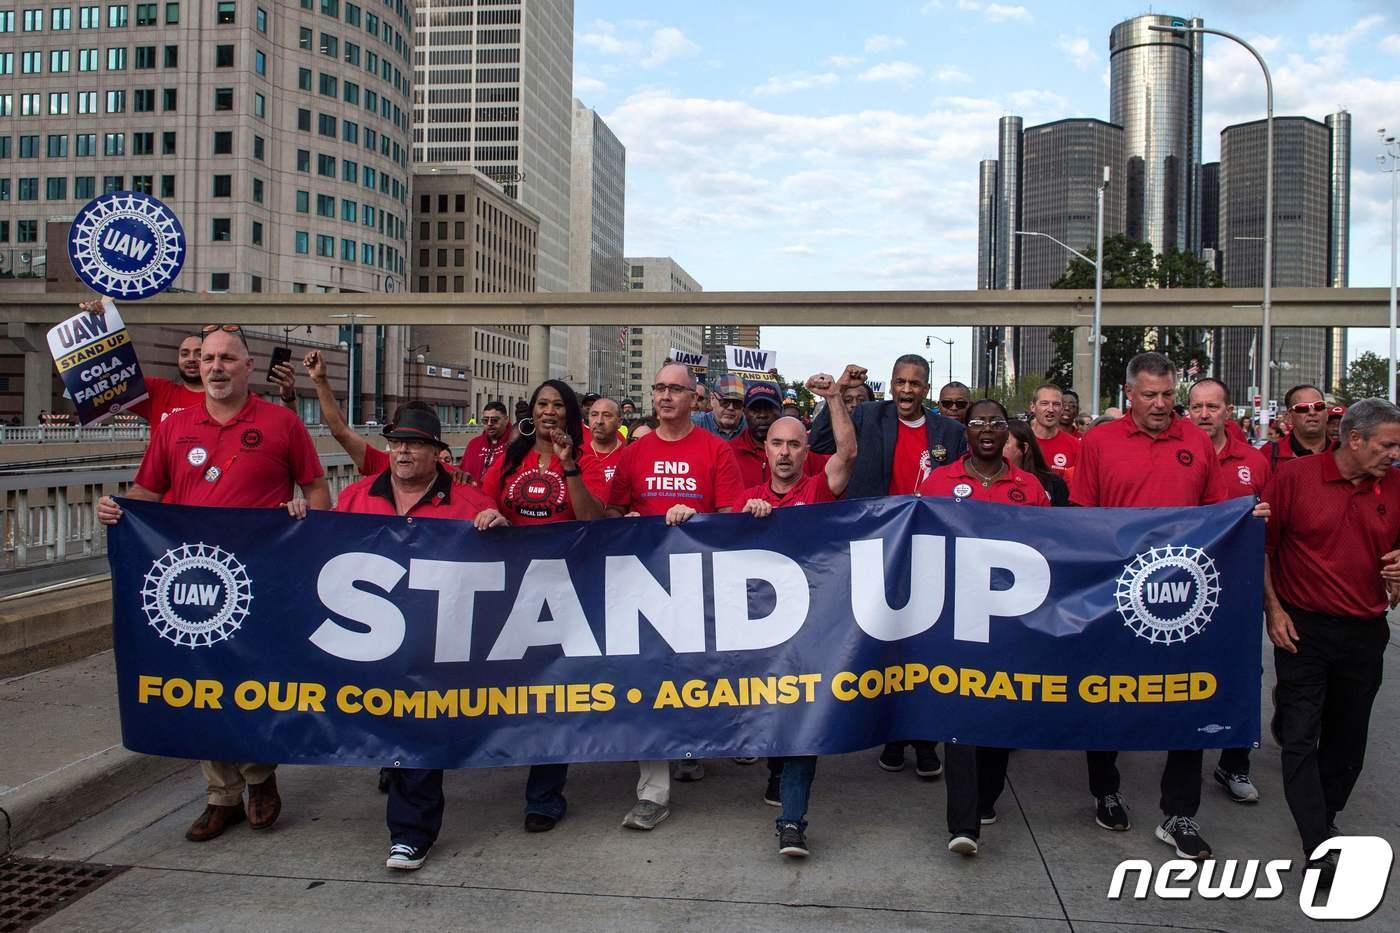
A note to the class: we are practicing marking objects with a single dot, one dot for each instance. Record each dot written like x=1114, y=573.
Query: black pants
x=1322, y=713
x=414, y=810
x=960, y=784
x=1181, y=779
x=991, y=775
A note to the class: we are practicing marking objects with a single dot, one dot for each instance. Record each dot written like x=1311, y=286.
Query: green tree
x=1366, y=378
x=1130, y=263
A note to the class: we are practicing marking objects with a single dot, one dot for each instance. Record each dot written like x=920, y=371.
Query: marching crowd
x=1327, y=492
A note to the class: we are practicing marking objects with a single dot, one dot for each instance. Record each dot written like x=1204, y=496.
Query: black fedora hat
x=414, y=424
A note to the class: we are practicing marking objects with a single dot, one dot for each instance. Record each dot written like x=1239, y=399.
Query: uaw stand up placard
x=122, y=245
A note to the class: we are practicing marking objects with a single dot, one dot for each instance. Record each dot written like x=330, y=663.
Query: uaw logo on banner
x=196, y=595
x=1168, y=594
x=749, y=360
x=126, y=245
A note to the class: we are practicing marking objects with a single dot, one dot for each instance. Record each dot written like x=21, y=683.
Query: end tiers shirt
x=698, y=470
x=252, y=461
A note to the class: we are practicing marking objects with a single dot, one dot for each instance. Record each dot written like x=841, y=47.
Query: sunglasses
x=1302, y=408
x=996, y=424
x=731, y=403
x=953, y=403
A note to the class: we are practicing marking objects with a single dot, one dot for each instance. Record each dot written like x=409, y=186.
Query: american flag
x=622, y=338
x=1194, y=369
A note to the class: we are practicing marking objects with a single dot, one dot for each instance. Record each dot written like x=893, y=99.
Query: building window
x=61, y=20
x=83, y=187
x=116, y=59
x=325, y=245
x=350, y=132
x=303, y=202
x=172, y=56
x=304, y=79
x=328, y=86
x=303, y=119
x=349, y=171
x=305, y=38
x=257, y=191
x=347, y=250
x=349, y=210
x=331, y=8
x=222, y=230
x=58, y=103
x=33, y=20
x=27, y=231
x=87, y=102
x=167, y=186
x=259, y=148
x=56, y=189
x=7, y=21
x=259, y=106
x=114, y=144
x=260, y=62
x=60, y=60
x=145, y=57
x=33, y=63
x=88, y=59
x=223, y=186
x=29, y=189
x=116, y=16
x=116, y=101
x=142, y=183
x=172, y=14
x=223, y=56
x=325, y=165
x=325, y=125
x=330, y=45
x=262, y=21
x=352, y=93
x=218, y=281
x=167, y=142
x=325, y=206
x=168, y=99
x=255, y=281
x=85, y=144
x=143, y=144
x=224, y=13
x=223, y=142
x=146, y=14
x=223, y=98
x=303, y=160
x=303, y=240
x=89, y=17
x=144, y=100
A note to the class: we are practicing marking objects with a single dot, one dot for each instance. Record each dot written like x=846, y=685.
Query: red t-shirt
x=446, y=499
x=911, y=459
x=1061, y=452
x=654, y=474
x=1325, y=537
x=251, y=462
x=598, y=469
x=164, y=398
x=1243, y=470
x=810, y=489
x=1014, y=487
x=481, y=453
x=530, y=495
x=753, y=460
x=1122, y=466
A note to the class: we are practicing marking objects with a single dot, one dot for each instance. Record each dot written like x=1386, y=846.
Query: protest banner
x=93, y=354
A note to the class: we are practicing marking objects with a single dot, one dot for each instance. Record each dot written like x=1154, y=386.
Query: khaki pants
x=227, y=779
x=655, y=782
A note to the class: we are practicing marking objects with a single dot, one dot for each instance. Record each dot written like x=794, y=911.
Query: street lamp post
x=352, y=316
x=928, y=344
x=1265, y=376
x=1391, y=152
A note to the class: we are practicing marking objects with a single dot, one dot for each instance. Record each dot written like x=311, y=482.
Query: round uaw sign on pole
x=126, y=245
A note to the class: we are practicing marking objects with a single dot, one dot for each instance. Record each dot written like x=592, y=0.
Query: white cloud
x=996, y=12
x=602, y=35
x=584, y=86
x=903, y=72
x=788, y=84
x=844, y=61
x=880, y=43
x=1391, y=44
x=1079, y=51
x=952, y=74
x=797, y=249
x=668, y=44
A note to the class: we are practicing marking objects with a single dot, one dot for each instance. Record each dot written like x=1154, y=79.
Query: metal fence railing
x=69, y=434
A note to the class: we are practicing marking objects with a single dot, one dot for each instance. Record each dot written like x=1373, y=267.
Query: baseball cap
x=1336, y=411
x=765, y=393
x=728, y=386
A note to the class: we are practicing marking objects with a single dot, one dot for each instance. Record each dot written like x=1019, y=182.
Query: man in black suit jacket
x=878, y=432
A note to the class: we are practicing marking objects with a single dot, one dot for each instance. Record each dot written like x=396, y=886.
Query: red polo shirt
x=445, y=499
x=481, y=452
x=1122, y=466
x=251, y=462
x=1061, y=452
x=753, y=460
x=164, y=398
x=654, y=474
x=809, y=490
x=1289, y=449
x=1326, y=535
x=1243, y=470
x=1014, y=487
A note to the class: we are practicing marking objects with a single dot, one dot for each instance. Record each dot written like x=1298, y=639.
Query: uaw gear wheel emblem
x=1168, y=594
x=196, y=595
x=126, y=245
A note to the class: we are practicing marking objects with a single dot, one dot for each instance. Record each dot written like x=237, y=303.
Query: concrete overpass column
x=539, y=357
x=1084, y=367
x=32, y=341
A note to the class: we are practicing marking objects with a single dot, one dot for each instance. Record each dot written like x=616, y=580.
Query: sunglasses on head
x=1302, y=408
x=233, y=329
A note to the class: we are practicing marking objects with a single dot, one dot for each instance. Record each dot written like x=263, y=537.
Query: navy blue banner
x=345, y=639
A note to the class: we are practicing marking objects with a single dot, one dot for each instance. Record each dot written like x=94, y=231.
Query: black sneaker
x=892, y=758
x=791, y=841
x=1327, y=868
x=926, y=762
x=1183, y=834
x=1112, y=813
x=988, y=816
x=539, y=823
x=773, y=794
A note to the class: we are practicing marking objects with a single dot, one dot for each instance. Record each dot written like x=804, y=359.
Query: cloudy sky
x=837, y=148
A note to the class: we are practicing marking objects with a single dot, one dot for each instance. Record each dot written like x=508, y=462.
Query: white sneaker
x=1240, y=788
x=405, y=857
x=963, y=845
x=645, y=814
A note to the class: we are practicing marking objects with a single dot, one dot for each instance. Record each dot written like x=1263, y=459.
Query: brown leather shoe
x=264, y=803
x=213, y=821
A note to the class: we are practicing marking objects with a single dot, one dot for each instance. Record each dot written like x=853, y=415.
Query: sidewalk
x=878, y=856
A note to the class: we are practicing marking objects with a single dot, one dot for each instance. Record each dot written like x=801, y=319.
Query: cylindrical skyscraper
x=986, y=223
x=1008, y=200
x=1155, y=95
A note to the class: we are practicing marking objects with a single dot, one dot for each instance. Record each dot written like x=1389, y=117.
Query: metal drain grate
x=32, y=888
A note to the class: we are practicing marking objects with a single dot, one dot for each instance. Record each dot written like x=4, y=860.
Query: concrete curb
x=53, y=628
x=77, y=791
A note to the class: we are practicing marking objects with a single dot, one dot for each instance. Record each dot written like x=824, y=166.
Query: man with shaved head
x=600, y=455
x=787, y=483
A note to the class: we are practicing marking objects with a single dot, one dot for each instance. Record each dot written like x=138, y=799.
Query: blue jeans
x=795, y=786
x=544, y=790
x=414, y=809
